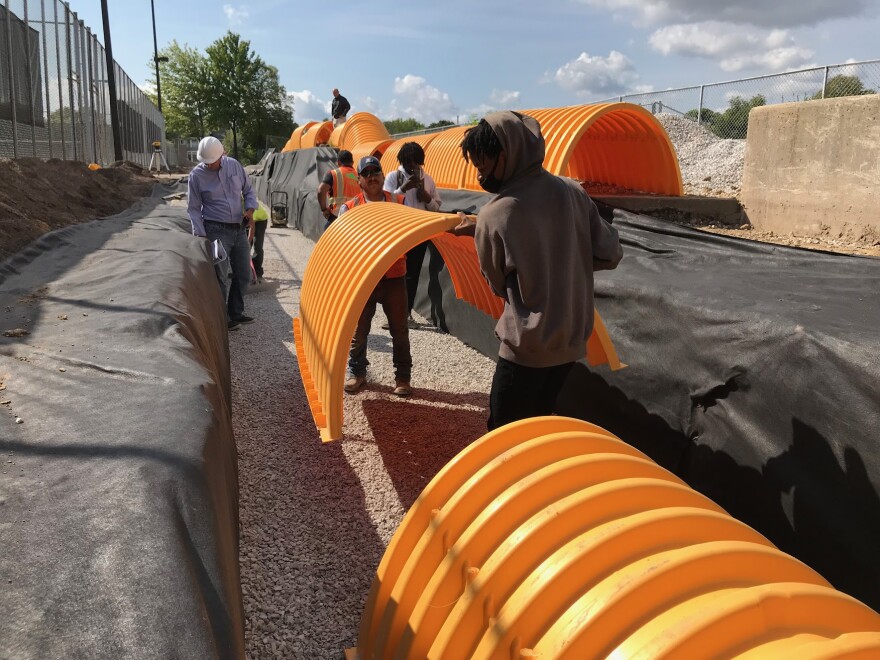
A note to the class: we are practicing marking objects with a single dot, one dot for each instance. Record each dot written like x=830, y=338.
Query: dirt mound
x=37, y=196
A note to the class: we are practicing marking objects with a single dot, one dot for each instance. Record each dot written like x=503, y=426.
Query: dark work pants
x=234, y=274
x=414, y=259
x=391, y=294
x=259, y=237
x=519, y=392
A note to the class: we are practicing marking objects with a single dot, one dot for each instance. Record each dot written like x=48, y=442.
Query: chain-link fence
x=54, y=93
x=724, y=107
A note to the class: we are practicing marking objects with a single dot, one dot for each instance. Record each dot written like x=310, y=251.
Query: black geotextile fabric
x=297, y=173
x=754, y=375
x=118, y=492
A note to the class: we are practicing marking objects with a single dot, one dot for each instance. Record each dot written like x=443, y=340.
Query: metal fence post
x=700, y=110
x=68, y=36
x=11, y=80
x=30, y=80
x=46, y=77
x=824, y=81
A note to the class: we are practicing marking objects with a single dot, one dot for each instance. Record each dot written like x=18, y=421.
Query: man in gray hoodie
x=538, y=241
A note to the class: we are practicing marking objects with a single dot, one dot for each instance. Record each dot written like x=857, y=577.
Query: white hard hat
x=210, y=150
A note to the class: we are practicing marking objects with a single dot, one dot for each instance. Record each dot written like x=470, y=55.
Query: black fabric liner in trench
x=119, y=491
x=754, y=370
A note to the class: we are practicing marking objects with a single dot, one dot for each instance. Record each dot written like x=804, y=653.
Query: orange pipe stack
x=316, y=134
x=389, y=158
x=552, y=538
x=360, y=128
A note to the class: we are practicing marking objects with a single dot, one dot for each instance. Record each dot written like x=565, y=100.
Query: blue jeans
x=391, y=294
x=234, y=274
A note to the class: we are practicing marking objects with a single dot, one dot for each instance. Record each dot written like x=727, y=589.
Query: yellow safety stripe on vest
x=339, y=196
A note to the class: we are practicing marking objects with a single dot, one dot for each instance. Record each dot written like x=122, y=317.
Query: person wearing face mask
x=390, y=292
x=538, y=242
x=420, y=192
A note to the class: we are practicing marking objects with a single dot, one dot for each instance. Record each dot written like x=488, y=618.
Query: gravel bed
x=710, y=165
x=316, y=518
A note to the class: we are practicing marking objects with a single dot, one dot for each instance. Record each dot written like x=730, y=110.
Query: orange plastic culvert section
x=360, y=128
x=367, y=240
x=389, y=158
x=295, y=141
x=613, y=144
x=376, y=149
x=550, y=537
x=316, y=134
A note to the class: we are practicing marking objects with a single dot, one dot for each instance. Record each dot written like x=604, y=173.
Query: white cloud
x=504, y=98
x=235, y=16
x=778, y=13
x=308, y=107
x=596, y=75
x=734, y=47
x=415, y=98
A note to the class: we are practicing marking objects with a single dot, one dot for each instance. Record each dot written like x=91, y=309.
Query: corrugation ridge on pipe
x=478, y=494
x=538, y=491
x=849, y=646
x=316, y=134
x=437, y=493
x=729, y=621
x=367, y=240
x=389, y=158
x=603, y=617
x=642, y=502
x=362, y=127
x=295, y=141
x=659, y=574
x=335, y=135
x=443, y=159
x=376, y=148
x=460, y=255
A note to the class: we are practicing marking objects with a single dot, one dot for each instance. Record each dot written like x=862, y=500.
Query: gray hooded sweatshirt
x=539, y=241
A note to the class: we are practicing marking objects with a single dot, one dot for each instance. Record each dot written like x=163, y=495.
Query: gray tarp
x=118, y=492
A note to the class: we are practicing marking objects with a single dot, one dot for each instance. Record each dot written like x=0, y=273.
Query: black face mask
x=491, y=183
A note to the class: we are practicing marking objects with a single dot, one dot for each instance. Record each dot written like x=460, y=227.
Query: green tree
x=732, y=123
x=441, y=123
x=841, y=85
x=396, y=126
x=235, y=73
x=185, y=91
x=272, y=114
x=707, y=116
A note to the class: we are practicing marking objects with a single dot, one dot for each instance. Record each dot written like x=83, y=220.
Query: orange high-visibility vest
x=345, y=186
x=398, y=268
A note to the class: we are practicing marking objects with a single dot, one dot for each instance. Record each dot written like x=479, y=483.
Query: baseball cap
x=369, y=161
x=210, y=149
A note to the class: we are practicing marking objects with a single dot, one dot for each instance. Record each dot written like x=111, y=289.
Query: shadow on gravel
x=417, y=439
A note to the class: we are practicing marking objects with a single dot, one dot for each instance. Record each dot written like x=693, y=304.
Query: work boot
x=354, y=383
x=402, y=388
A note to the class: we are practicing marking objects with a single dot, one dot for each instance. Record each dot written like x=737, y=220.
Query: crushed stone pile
x=710, y=165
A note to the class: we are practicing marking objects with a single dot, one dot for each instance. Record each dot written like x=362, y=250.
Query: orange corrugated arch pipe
x=360, y=128
x=335, y=135
x=295, y=141
x=368, y=240
x=316, y=134
x=389, y=158
x=619, y=144
x=552, y=538
x=376, y=149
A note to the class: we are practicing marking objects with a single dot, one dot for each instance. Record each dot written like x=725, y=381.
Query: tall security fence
x=724, y=107
x=54, y=93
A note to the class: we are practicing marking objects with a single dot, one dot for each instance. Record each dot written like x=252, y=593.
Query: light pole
x=156, y=58
x=111, y=83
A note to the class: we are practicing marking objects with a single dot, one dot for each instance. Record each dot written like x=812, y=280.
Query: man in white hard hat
x=217, y=187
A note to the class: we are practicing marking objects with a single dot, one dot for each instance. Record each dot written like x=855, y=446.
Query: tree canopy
x=732, y=123
x=395, y=126
x=229, y=88
x=841, y=85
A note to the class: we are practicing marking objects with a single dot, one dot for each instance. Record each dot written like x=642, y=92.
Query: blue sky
x=445, y=59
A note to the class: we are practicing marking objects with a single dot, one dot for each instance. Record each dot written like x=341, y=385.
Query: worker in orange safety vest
x=338, y=185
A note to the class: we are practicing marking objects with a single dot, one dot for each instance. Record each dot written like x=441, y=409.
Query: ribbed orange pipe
x=295, y=140
x=316, y=134
x=335, y=136
x=360, y=128
x=443, y=159
x=552, y=538
x=389, y=158
x=618, y=144
x=376, y=149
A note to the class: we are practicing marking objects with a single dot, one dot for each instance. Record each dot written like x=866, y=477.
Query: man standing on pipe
x=339, y=108
x=538, y=241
